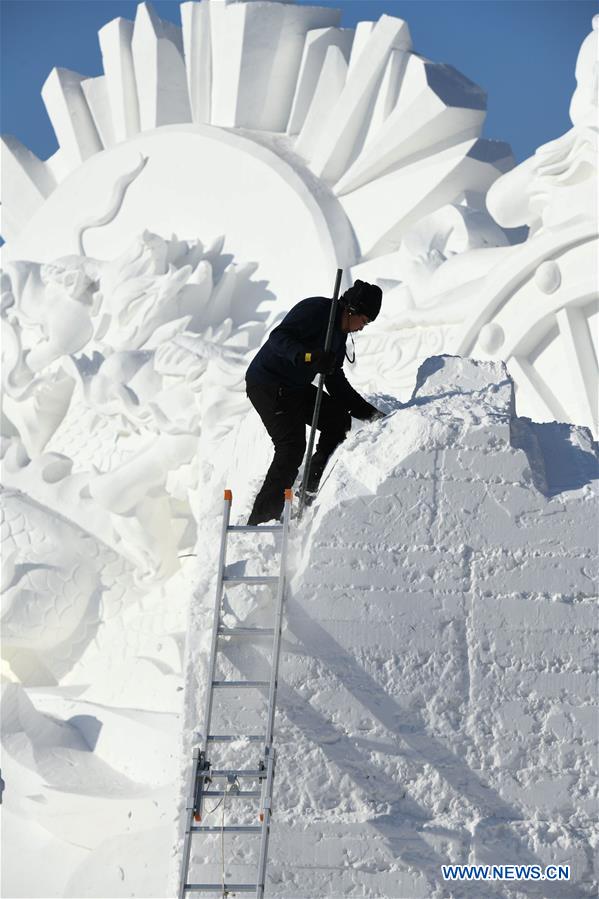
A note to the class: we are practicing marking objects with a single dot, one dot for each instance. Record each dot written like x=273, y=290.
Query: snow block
x=582, y=363
x=256, y=52
x=388, y=91
x=437, y=107
x=195, y=21
x=362, y=33
x=117, y=59
x=160, y=74
x=328, y=90
x=406, y=194
x=96, y=93
x=70, y=116
x=318, y=40
x=337, y=146
x=438, y=663
x=26, y=182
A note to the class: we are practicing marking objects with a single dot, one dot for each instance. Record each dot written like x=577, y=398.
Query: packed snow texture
x=437, y=679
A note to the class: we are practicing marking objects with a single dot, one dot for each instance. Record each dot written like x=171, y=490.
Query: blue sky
x=522, y=52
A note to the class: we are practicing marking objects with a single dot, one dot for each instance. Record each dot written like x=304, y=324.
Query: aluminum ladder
x=203, y=773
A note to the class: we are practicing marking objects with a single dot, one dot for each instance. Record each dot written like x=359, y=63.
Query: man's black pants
x=285, y=413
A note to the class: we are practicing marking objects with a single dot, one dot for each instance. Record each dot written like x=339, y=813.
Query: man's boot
x=266, y=508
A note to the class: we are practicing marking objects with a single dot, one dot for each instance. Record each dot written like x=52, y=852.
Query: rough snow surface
x=437, y=676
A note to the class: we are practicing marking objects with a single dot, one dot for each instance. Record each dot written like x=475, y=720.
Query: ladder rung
x=241, y=683
x=233, y=772
x=246, y=631
x=255, y=527
x=218, y=887
x=250, y=579
x=232, y=738
x=239, y=794
x=228, y=828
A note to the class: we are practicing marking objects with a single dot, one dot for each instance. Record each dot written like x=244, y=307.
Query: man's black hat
x=363, y=298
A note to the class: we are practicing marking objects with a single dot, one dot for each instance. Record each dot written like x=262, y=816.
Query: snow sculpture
x=338, y=121
x=115, y=44
x=554, y=187
x=533, y=305
x=125, y=349
x=550, y=352
x=160, y=77
x=383, y=107
x=144, y=355
x=71, y=116
x=26, y=183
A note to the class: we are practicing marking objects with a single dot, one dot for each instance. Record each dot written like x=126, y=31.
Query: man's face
x=354, y=321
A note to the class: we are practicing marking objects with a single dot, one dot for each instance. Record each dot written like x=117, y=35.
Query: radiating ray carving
x=70, y=116
x=362, y=34
x=330, y=86
x=318, y=40
x=389, y=91
x=195, y=21
x=27, y=181
x=159, y=70
x=117, y=57
x=337, y=145
x=256, y=52
x=436, y=107
x=419, y=188
x=95, y=91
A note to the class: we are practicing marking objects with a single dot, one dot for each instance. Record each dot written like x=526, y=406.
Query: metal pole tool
x=321, y=377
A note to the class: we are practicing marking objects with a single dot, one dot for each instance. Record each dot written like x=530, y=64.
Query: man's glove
x=323, y=360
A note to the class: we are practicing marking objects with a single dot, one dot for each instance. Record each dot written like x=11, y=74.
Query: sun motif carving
x=346, y=117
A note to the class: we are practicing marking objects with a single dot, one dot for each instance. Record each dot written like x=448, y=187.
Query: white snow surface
x=437, y=677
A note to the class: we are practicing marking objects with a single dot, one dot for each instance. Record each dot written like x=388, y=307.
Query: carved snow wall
x=438, y=686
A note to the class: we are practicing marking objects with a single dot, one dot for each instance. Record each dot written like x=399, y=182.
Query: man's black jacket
x=280, y=361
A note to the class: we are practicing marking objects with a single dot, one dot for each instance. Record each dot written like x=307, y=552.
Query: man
x=279, y=386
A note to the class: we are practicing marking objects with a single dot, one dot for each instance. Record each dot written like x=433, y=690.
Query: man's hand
x=377, y=415
x=323, y=360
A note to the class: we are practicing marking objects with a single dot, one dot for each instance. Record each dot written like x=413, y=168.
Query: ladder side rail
x=276, y=650
x=195, y=796
x=189, y=823
x=266, y=811
x=269, y=751
x=216, y=620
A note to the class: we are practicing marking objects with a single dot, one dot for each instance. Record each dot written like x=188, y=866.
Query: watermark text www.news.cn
x=505, y=872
